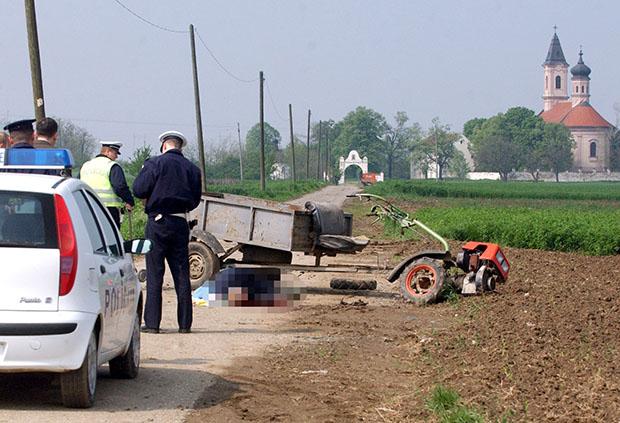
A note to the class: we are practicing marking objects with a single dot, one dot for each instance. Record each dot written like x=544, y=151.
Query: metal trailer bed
x=266, y=232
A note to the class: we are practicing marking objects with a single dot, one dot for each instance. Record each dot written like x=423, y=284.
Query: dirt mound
x=545, y=348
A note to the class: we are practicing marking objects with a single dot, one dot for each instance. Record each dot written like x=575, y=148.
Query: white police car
x=69, y=296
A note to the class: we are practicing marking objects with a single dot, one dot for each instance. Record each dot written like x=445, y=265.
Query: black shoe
x=187, y=330
x=146, y=329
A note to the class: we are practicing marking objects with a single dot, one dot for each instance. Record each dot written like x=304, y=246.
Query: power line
x=248, y=81
x=163, y=28
x=274, y=104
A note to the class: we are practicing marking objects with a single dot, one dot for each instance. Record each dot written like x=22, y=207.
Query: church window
x=593, y=148
x=576, y=89
x=582, y=89
x=558, y=82
x=546, y=82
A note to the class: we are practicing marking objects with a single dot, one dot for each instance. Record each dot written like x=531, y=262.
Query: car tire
x=203, y=264
x=78, y=387
x=340, y=283
x=127, y=366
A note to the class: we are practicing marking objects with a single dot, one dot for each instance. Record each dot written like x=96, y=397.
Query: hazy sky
x=125, y=80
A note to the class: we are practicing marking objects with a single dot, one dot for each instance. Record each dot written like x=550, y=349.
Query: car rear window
x=27, y=220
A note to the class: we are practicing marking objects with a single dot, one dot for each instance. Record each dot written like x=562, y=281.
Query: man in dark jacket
x=171, y=186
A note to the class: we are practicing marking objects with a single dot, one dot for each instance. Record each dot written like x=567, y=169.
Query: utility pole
x=327, y=153
x=318, y=152
x=262, y=134
x=201, y=147
x=308, y=149
x=290, y=119
x=35, y=60
x=240, y=152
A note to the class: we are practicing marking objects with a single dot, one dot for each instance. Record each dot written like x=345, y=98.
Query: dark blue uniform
x=171, y=185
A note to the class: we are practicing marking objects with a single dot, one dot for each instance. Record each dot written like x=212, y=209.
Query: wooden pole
x=240, y=152
x=201, y=148
x=262, y=134
x=327, y=153
x=290, y=119
x=308, y=148
x=318, y=152
x=35, y=60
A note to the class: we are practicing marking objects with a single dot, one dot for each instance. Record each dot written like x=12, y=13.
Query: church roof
x=583, y=114
x=581, y=70
x=555, y=55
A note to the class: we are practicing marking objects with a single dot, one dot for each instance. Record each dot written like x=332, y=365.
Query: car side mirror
x=138, y=246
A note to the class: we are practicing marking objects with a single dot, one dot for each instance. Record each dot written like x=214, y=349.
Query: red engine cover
x=490, y=252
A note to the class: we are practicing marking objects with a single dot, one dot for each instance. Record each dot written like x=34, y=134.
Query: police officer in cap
x=21, y=134
x=171, y=186
x=107, y=179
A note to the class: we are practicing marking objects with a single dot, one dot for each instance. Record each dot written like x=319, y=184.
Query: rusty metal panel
x=273, y=229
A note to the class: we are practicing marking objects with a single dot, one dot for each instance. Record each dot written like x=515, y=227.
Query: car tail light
x=66, y=244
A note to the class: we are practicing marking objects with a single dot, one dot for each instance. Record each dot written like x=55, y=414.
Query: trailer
x=265, y=233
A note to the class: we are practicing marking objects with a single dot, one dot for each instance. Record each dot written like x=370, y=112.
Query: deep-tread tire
x=422, y=281
x=203, y=264
x=78, y=387
x=127, y=366
x=339, y=283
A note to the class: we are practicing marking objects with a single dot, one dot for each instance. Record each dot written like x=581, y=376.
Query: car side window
x=92, y=226
x=109, y=231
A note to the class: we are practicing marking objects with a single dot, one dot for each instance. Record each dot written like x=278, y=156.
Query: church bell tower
x=556, y=75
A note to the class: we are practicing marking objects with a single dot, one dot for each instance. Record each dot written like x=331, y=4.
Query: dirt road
x=177, y=369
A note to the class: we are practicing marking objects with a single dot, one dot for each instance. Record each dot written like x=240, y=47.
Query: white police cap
x=173, y=134
x=115, y=145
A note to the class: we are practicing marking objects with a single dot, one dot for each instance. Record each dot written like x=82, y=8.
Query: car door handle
x=102, y=269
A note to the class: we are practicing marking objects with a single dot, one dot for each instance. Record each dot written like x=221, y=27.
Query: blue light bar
x=30, y=158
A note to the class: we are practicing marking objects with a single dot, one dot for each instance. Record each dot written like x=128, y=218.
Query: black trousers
x=116, y=216
x=170, y=237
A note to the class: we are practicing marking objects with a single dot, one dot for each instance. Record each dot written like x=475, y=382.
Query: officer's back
x=170, y=182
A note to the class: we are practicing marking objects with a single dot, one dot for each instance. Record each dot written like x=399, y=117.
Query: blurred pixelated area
x=250, y=287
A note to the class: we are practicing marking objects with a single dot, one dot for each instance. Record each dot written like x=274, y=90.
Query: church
x=591, y=132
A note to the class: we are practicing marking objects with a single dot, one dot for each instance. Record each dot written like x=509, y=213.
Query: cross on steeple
x=555, y=29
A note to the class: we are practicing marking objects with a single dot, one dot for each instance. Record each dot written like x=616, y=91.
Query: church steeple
x=556, y=74
x=581, y=81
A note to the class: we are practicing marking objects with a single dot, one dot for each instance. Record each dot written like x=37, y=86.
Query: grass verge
x=446, y=405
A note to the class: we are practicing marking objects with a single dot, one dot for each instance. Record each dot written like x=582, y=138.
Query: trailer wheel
x=203, y=263
x=422, y=281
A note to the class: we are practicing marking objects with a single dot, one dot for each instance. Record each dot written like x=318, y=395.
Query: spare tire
x=339, y=283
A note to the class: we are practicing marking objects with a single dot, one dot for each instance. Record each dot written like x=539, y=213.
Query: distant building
x=592, y=133
x=280, y=171
x=418, y=171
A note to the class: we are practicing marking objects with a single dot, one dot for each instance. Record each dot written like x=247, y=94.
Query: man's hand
x=128, y=207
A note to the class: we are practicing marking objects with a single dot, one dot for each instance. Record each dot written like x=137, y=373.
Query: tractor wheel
x=339, y=283
x=203, y=264
x=422, y=281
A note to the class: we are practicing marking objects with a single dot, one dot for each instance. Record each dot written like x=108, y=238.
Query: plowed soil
x=545, y=347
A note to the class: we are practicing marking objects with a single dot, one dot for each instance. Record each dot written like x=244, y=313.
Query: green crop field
x=275, y=190
x=409, y=189
x=575, y=217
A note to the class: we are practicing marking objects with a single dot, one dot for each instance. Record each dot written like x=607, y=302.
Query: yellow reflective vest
x=96, y=173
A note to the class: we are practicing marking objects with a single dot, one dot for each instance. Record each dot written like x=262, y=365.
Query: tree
x=472, y=126
x=136, y=161
x=397, y=140
x=437, y=147
x=458, y=165
x=76, y=139
x=251, y=164
x=557, y=148
x=498, y=154
x=362, y=130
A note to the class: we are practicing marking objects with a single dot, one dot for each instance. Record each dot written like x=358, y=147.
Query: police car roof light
x=30, y=158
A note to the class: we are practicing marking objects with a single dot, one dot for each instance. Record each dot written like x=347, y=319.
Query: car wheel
x=203, y=264
x=77, y=387
x=127, y=365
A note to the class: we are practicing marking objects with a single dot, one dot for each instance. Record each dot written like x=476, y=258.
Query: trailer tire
x=422, y=281
x=203, y=263
x=338, y=283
